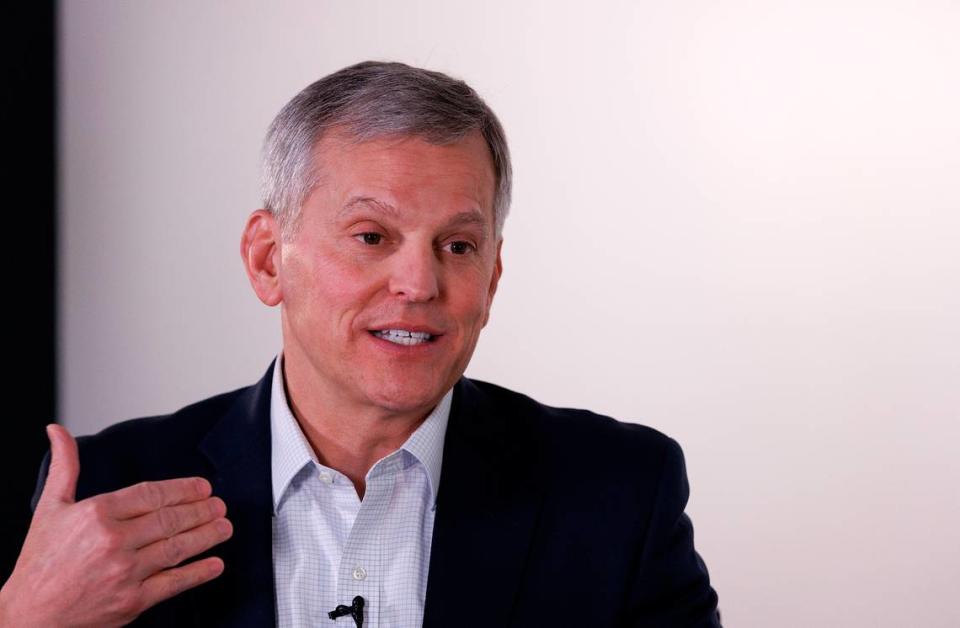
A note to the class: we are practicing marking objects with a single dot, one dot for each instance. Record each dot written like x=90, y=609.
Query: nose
x=414, y=274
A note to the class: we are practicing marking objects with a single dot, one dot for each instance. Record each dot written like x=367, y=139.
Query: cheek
x=473, y=305
x=333, y=291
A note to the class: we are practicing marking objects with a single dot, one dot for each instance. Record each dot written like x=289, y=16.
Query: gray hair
x=371, y=100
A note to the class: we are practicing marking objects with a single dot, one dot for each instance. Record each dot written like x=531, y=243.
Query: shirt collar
x=291, y=452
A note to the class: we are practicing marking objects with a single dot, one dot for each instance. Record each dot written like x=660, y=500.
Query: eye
x=461, y=247
x=370, y=238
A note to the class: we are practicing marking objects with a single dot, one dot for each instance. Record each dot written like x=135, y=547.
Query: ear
x=260, y=250
x=494, y=281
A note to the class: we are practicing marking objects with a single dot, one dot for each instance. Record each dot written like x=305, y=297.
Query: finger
x=61, y=485
x=171, y=552
x=171, y=582
x=170, y=521
x=145, y=497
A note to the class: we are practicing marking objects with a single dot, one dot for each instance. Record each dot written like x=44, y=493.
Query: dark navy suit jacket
x=545, y=517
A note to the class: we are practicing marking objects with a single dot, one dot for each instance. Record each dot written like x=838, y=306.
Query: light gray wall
x=737, y=222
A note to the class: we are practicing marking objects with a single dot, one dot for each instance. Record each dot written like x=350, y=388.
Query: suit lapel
x=238, y=447
x=487, y=507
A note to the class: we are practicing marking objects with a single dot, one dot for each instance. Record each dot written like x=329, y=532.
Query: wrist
x=10, y=615
x=6, y=613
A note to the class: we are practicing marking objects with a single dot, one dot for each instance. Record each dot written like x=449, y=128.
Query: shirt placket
x=362, y=568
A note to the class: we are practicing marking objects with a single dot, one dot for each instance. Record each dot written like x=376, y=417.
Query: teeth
x=403, y=337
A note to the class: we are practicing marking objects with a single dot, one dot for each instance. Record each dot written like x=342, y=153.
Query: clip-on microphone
x=355, y=611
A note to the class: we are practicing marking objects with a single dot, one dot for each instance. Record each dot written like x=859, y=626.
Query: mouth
x=403, y=336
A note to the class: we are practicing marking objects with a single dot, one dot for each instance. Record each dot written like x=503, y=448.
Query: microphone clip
x=355, y=610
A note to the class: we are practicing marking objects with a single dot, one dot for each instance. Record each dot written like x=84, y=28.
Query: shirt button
x=359, y=573
x=326, y=478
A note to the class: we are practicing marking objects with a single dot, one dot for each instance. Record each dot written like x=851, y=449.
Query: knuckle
x=98, y=529
x=173, y=550
x=151, y=494
x=203, y=513
x=129, y=606
x=169, y=520
x=95, y=510
x=120, y=570
x=111, y=539
x=217, y=507
x=176, y=582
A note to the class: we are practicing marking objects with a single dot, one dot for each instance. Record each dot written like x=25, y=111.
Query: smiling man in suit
x=364, y=480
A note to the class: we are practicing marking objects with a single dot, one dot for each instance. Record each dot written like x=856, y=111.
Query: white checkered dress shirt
x=328, y=546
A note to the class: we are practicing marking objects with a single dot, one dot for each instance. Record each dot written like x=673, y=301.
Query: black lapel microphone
x=355, y=611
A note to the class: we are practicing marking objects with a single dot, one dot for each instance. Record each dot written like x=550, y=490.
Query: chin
x=407, y=396
x=407, y=405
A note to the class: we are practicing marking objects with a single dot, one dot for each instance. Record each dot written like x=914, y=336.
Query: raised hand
x=104, y=560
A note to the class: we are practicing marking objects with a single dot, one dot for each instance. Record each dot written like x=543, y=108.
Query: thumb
x=61, y=486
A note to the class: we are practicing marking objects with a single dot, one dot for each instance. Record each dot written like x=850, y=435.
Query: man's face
x=389, y=279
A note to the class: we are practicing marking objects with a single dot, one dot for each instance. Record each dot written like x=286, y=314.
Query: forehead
x=406, y=172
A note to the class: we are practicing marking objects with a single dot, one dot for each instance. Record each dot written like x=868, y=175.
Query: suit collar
x=245, y=428
x=488, y=490
x=291, y=451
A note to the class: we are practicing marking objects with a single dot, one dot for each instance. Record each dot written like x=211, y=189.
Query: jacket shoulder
x=184, y=427
x=587, y=437
x=146, y=448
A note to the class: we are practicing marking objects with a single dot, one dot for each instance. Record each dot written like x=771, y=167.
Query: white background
x=734, y=221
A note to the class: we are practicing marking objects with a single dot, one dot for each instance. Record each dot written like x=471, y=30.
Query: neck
x=347, y=437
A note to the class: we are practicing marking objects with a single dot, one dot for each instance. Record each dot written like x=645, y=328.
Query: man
x=365, y=480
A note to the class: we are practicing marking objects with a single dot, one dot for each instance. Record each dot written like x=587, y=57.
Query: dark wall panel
x=29, y=243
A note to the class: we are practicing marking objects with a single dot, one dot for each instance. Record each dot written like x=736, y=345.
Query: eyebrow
x=470, y=217
x=367, y=201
